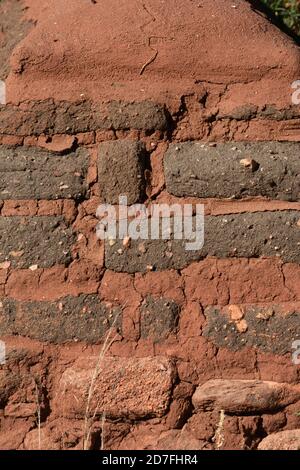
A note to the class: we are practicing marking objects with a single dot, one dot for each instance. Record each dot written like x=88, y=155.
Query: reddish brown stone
x=203, y=425
x=244, y=396
x=274, y=422
x=284, y=440
x=21, y=410
x=178, y=414
x=155, y=437
x=292, y=417
x=13, y=437
x=123, y=387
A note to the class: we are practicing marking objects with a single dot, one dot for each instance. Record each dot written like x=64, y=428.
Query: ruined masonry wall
x=196, y=332
x=188, y=349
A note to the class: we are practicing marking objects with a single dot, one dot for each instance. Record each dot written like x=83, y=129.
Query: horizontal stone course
x=267, y=328
x=249, y=235
x=247, y=112
x=82, y=318
x=28, y=173
x=47, y=117
x=131, y=388
x=234, y=170
x=42, y=241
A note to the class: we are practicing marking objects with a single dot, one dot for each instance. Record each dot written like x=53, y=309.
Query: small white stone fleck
x=33, y=267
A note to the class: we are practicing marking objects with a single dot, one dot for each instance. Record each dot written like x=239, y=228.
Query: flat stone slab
x=29, y=173
x=234, y=170
x=42, y=241
x=131, y=388
x=244, y=396
x=251, y=235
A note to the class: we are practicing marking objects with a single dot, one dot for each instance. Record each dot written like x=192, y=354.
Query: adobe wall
x=147, y=345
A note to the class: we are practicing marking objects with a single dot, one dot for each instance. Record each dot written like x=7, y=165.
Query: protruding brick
x=28, y=173
x=42, y=241
x=238, y=170
x=244, y=396
x=122, y=387
x=121, y=166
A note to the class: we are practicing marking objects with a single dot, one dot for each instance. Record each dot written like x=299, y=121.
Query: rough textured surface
x=159, y=318
x=244, y=396
x=147, y=355
x=234, y=170
x=49, y=117
x=174, y=36
x=145, y=115
x=41, y=241
x=284, y=440
x=264, y=327
x=121, y=168
x=82, y=318
x=13, y=29
x=28, y=173
x=8, y=385
x=123, y=387
x=240, y=235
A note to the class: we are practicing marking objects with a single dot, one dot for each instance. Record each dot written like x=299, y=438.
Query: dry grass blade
x=88, y=421
x=219, y=438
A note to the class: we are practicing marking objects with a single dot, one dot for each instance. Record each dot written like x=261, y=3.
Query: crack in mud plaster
x=149, y=39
